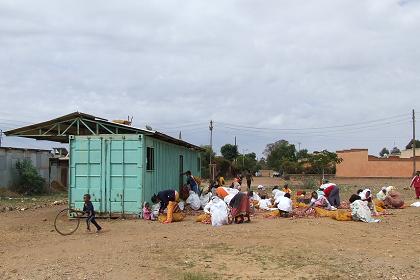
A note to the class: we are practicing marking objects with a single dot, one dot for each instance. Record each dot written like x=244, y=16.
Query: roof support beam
x=91, y=131
x=62, y=134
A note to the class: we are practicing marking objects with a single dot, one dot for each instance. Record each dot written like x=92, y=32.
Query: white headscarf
x=363, y=194
x=381, y=195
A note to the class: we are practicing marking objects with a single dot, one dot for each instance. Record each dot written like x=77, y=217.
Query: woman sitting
x=360, y=210
x=366, y=195
x=319, y=201
x=240, y=207
x=390, y=198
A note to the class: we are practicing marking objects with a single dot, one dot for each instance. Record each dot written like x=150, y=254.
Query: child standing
x=415, y=184
x=147, y=212
x=90, y=211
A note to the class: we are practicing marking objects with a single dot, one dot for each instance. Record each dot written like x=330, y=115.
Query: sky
x=328, y=74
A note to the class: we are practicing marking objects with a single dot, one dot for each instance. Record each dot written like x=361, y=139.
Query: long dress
x=361, y=212
x=240, y=205
x=393, y=200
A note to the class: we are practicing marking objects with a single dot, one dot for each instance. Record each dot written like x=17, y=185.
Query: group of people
x=230, y=204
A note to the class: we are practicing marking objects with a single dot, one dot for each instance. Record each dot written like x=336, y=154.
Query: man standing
x=249, y=179
x=415, y=184
x=192, y=182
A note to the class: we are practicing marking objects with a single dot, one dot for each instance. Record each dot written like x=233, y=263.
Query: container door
x=124, y=174
x=86, y=172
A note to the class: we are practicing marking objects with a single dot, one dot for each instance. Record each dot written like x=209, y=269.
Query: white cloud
x=277, y=63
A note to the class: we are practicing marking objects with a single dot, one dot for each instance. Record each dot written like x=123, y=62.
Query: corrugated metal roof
x=51, y=130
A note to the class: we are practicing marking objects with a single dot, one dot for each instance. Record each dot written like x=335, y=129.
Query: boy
x=90, y=211
x=415, y=184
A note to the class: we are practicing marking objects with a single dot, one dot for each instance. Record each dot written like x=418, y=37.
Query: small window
x=198, y=164
x=150, y=164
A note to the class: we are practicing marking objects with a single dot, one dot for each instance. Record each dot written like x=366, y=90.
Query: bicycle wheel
x=67, y=221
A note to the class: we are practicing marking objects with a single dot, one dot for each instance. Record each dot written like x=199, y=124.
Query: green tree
x=247, y=161
x=395, y=151
x=410, y=145
x=384, y=152
x=205, y=161
x=324, y=160
x=223, y=166
x=229, y=152
x=29, y=181
x=302, y=154
x=279, y=154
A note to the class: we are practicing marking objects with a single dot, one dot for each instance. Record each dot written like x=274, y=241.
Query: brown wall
x=358, y=163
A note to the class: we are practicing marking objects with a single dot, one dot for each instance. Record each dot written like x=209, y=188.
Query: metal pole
x=413, y=146
x=1, y=135
x=211, y=149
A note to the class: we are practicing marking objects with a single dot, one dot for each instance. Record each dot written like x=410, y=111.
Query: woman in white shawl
x=366, y=195
x=360, y=210
x=218, y=211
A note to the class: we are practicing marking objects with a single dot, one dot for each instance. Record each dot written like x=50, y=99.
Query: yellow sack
x=342, y=215
x=176, y=217
x=272, y=214
x=299, y=205
x=379, y=205
x=324, y=213
x=203, y=218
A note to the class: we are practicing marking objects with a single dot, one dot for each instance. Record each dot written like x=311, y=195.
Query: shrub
x=28, y=181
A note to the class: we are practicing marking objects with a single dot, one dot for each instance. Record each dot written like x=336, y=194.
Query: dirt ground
x=264, y=249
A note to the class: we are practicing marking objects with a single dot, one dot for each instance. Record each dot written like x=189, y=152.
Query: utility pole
x=211, y=150
x=1, y=135
x=236, y=149
x=413, y=146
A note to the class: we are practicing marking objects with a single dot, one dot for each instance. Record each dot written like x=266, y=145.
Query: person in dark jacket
x=90, y=211
x=168, y=199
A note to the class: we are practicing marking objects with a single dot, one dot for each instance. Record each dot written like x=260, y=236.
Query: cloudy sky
x=329, y=74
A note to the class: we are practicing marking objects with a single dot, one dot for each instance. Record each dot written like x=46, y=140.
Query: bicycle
x=67, y=221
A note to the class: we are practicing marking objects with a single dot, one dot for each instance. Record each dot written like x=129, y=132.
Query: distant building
x=59, y=169
x=358, y=163
x=10, y=156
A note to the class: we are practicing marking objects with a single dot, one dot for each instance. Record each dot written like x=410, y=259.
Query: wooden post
x=413, y=146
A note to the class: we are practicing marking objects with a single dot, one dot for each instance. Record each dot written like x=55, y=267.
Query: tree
x=261, y=164
x=229, y=152
x=279, y=154
x=395, y=151
x=223, y=166
x=324, y=160
x=302, y=154
x=410, y=145
x=247, y=161
x=29, y=181
x=384, y=152
x=205, y=160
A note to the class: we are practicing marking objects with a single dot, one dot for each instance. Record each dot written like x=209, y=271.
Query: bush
x=309, y=183
x=28, y=181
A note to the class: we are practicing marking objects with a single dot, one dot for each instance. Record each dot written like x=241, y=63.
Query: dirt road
x=265, y=249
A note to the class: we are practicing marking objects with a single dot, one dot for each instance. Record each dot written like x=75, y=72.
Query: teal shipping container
x=122, y=171
x=119, y=165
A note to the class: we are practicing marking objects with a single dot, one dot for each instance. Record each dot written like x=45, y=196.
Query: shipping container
x=121, y=172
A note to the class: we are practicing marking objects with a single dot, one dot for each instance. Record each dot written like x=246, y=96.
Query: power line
x=317, y=128
x=308, y=133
